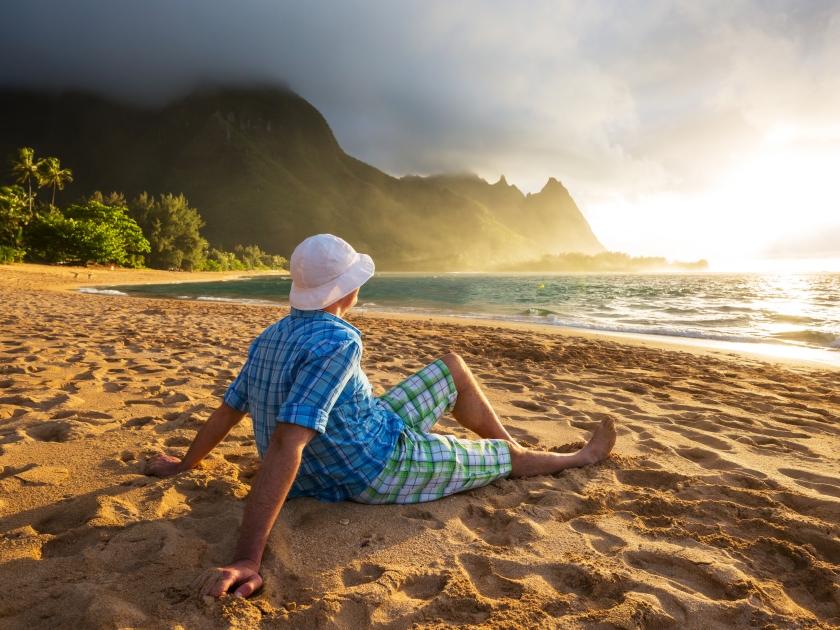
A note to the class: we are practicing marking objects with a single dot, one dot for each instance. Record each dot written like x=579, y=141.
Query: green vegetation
x=173, y=230
x=91, y=232
x=606, y=261
x=10, y=255
x=241, y=259
x=107, y=230
x=85, y=232
x=14, y=216
x=253, y=258
x=218, y=260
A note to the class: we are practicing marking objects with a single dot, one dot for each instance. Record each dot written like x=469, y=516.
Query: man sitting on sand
x=320, y=431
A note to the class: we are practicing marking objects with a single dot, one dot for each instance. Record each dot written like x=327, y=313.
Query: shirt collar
x=295, y=312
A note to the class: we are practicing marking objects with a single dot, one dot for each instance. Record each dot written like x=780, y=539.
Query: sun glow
x=782, y=194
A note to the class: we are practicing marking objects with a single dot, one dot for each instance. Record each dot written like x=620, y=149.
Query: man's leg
x=473, y=411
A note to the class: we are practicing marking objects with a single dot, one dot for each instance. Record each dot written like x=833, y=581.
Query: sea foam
x=101, y=291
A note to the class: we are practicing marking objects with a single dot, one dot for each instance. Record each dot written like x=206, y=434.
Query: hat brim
x=319, y=297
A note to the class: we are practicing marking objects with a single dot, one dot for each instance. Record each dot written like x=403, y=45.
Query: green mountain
x=263, y=167
x=550, y=217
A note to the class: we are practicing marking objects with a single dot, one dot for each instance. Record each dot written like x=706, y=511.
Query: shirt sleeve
x=237, y=394
x=319, y=383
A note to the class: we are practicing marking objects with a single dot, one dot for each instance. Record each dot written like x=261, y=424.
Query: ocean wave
x=810, y=337
x=101, y=291
x=692, y=334
x=537, y=312
x=207, y=298
x=782, y=318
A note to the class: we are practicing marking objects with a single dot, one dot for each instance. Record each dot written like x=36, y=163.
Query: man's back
x=305, y=370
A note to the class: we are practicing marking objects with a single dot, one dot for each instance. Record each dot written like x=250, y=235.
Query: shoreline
x=71, y=279
x=663, y=342
x=787, y=354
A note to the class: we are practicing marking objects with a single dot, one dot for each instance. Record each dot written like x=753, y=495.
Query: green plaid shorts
x=427, y=466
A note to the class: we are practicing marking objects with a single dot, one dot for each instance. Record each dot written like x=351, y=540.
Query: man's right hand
x=163, y=465
x=242, y=574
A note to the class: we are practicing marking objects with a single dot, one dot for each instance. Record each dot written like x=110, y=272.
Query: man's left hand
x=242, y=574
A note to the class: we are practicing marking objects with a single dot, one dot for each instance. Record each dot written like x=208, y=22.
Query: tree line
x=159, y=233
x=606, y=262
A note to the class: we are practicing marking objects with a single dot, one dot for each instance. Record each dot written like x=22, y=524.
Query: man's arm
x=214, y=431
x=268, y=492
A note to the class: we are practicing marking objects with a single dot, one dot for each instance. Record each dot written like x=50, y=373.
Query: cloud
x=621, y=101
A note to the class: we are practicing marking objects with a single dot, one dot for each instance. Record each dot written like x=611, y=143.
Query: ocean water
x=784, y=310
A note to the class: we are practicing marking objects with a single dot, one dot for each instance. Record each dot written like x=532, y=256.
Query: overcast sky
x=683, y=129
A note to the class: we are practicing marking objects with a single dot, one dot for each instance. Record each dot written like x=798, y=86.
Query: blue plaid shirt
x=305, y=370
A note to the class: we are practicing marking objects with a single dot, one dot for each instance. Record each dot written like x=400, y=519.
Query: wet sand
x=719, y=508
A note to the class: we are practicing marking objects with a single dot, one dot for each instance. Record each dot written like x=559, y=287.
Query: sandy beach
x=719, y=508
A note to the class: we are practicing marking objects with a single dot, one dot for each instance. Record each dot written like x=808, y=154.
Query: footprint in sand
x=510, y=387
x=486, y=581
x=710, y=579
x=175, y=382
x=529, y=405
x=701, y=438
x=141, y=422
x=500, y=528
x=63, y=431
x=765, y=444
x=594, y=587
x=363, y=574
x=427, y=518
x=600, y=540
x=411, y=598
x=707, y=459
x=650, y=479
x=424, y=586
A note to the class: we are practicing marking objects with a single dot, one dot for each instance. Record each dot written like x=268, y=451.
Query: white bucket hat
x=324, y=269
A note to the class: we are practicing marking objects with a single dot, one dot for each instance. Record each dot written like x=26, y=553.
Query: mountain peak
x=549, y=218
x=554, y=186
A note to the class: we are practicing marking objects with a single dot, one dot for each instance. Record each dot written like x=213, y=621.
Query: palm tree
x=25, y=168
x=50, y=173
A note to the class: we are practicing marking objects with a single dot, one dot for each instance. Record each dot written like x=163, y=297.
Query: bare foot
x=602, y=442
